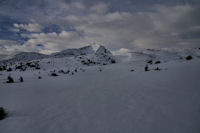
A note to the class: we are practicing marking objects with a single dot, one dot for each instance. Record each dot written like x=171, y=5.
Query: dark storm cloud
x=118, y=24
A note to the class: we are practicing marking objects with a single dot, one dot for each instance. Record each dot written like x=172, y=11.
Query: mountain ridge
x=72, y=52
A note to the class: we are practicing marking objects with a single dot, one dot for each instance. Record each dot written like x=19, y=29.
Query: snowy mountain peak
x=102, y=50
x=99, y=48
x=95, y=46
x=87, y=50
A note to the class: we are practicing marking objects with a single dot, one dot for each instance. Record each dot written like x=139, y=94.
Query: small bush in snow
x=18, y=67
x=150, y=61
x=2, y=68
x=83, y=70
x=146, y=68
x=75, y=70
x=37, y=67
x=21, y=67
x=39, y=77
x=68, y=71
x=188, y=57
x=3, y=113
x=61, y=71
x=113, y=61
x=9, y=69
x=157, y=69
x=53, y=74
x=28, y=63
x=21, y=79
x=10, y=80
x=157, y=62
x=100, y=69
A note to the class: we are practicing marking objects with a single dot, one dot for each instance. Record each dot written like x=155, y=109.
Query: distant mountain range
x=29, y=56
x=100, y=55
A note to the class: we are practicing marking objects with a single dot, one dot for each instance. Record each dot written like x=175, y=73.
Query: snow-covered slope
x=25, y=56
x=171, y=54
x=164, y=55
x=114, y=99
x=2, y=57
x=81, y=94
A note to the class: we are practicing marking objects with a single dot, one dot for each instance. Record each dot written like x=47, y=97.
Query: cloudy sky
x=48, y=26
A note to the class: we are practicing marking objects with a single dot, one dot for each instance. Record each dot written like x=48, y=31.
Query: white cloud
x=29, y=27
x=7, y=42
x=162, y=28
x=78, y=5
x=122, y=51
x=159, y=29
x=8, y=47
x=100, y=8
x=64, y=6
x=14, y=30
x=53, y=42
